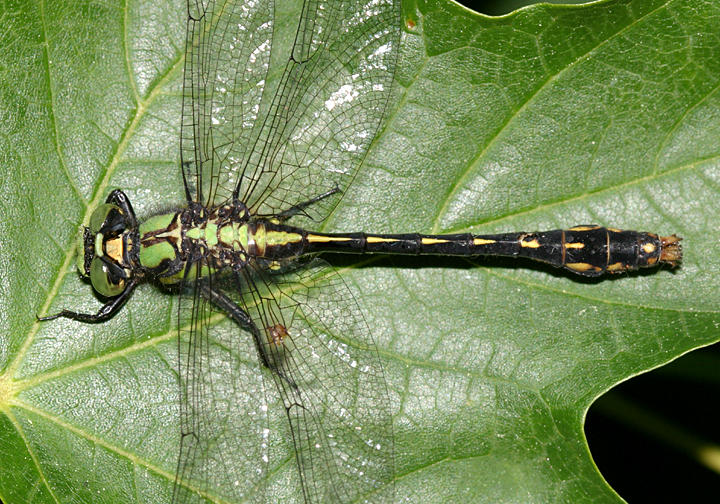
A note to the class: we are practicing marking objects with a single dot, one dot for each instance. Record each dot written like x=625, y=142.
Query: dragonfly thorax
x=195, y=242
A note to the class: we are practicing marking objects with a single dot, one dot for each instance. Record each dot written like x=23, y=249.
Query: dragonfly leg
x=241, y=317
x=105, y=313
x=300, y=207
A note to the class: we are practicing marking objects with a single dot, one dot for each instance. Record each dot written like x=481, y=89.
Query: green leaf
x=548, y=117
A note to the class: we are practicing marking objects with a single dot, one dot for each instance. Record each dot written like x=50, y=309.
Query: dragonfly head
x=105, y=250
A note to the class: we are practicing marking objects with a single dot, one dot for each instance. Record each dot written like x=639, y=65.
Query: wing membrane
x=317, y=127
x=223, y=406
x=327, y=108
x=227, y=55
x=329, y=377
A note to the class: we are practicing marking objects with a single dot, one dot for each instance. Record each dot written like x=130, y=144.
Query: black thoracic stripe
x=585, y=250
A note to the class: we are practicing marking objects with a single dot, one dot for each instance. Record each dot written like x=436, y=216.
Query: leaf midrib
x=512, y=117
x=140, y=110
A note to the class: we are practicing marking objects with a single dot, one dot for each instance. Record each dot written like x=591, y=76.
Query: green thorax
x=166, y=241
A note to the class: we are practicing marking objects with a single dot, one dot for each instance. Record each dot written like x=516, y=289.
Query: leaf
x=545, y=118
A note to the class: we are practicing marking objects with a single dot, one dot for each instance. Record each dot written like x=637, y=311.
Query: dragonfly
x=263, y=160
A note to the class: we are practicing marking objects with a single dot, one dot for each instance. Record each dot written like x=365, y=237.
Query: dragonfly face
x=106, y=249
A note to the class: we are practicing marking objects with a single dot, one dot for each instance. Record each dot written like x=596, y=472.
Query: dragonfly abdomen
x=585, y=250
x=591, y=250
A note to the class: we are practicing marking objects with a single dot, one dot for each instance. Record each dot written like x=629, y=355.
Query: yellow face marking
x=114, y=249
x=482, y=241
x=432, y=241
x=618, y=266
x=575, y=245
x=378, y=239
x=530, y=243
x=583, y=228
x=648, y=248
x=579, y=266
x=325, y=239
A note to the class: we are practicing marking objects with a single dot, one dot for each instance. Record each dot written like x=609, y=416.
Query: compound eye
x=106, y=217
x=104, y=280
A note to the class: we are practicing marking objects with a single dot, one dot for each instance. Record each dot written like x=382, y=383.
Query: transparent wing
x=316, y=127
x=329, y=386
x=327, y=108
x=227, y=54
x=223, y=408
x=329, y=378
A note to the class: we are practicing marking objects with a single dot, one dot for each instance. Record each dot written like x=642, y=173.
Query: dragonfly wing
x=227, y=54
x=223, y=406
x=327, y=107
x=329, y=378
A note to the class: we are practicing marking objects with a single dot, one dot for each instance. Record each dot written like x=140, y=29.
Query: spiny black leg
x=300, y=207
x=119, y=198
x=106, y=311
x=240, y=317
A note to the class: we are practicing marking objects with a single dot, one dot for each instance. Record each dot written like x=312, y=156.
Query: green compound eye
x=103, y=280
x=100, y=215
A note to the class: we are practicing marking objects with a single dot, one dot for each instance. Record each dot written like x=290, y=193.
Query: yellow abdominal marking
x=583, y=228
x=618, y=266
x=482, y=241
x=312, y=238
x=378, y=239
x=281, y=238
x=432, y=241
x=580, y=266
x=648, y=248
x=530, y=244
x=576, y=245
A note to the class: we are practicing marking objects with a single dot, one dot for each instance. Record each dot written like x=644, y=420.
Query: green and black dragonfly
x=258, y=159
